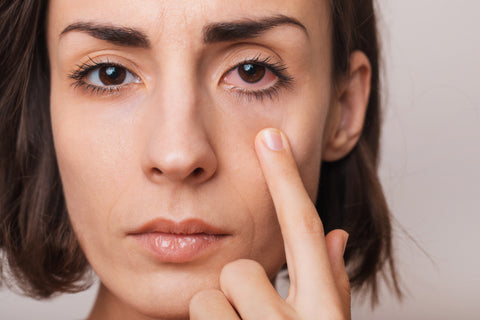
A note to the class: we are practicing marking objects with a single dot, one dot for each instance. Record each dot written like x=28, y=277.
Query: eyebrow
x=246, y=29
x=212, y=33
x=123, y=36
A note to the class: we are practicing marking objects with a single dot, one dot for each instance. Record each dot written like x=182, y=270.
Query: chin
x=175, y=299
x=168, y=309
x=163, y=294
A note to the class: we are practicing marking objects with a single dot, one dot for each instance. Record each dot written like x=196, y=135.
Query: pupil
x=112, y=72
x=250, y=69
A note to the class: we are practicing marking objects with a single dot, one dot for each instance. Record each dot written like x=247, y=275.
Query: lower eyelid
x=103, y=91
x=249, y=96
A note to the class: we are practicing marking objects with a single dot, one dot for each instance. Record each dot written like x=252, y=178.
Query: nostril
x=177, y=174
x=197, y=172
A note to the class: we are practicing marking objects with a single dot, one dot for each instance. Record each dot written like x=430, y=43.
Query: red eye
x=251, y=76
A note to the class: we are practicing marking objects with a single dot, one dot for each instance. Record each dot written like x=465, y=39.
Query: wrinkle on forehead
x=167, y=20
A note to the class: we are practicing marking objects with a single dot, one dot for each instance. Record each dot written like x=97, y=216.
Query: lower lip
x=177, y=248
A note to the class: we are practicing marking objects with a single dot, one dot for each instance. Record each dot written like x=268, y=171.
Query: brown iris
x=112, y=75
x=251, y=73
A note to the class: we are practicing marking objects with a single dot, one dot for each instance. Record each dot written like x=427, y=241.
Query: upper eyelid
x=92, y=63
x=252, y=60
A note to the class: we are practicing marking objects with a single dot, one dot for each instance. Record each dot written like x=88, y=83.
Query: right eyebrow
x=118, y=35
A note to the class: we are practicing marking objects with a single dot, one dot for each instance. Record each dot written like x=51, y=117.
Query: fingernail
x=345, y=240
x=272, y=139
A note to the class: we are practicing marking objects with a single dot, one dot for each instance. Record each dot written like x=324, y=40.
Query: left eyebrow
x=118, y=35
x=246, y=29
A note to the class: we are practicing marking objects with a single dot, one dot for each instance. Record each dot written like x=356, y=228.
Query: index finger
x=302, y=230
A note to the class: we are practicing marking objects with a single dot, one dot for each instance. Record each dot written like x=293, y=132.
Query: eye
x=111, y=75
x=251, y=75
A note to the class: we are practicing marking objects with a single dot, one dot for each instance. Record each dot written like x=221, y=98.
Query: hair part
x=40, y=252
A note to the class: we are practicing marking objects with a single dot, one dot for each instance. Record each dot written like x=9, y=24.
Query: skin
x=181, y=142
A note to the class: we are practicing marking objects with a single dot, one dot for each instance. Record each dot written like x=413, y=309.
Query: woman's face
x=155, y=106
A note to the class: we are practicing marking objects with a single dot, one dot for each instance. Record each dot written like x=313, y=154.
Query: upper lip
x=187, y=226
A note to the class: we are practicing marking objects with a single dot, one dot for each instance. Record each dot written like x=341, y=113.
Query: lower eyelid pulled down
x=276, y=74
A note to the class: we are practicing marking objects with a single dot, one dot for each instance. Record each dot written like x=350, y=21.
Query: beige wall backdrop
x=431, y=155
x=430, y=166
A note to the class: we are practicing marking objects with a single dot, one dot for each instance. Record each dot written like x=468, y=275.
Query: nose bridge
x=177, y=96
x=177, y=76
x=178, y=146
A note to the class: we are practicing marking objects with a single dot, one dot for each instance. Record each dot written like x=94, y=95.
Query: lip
x=178, y=242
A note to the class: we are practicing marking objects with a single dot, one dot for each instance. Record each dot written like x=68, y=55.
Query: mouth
x=178, y=242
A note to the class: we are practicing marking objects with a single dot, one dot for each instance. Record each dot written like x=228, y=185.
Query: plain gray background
x=431, y=154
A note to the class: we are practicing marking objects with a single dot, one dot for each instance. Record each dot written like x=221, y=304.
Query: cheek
x=302, y=119
x=264, y=242
x=92, y=156
x=239, y=164
x=305, y=132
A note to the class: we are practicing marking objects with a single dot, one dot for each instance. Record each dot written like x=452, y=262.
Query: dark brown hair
x=350, y=195
x=39, y=248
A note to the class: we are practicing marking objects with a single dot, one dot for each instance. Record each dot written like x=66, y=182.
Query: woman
x=176, y=147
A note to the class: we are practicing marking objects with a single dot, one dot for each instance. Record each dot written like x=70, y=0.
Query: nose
x=179, y=148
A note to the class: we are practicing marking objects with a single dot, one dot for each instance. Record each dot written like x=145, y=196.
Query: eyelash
x=83, y=70
x=277, y=68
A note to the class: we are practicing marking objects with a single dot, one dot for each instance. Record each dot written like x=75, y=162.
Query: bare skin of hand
x=319, y=286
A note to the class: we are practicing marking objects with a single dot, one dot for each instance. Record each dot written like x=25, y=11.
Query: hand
x=319, y=285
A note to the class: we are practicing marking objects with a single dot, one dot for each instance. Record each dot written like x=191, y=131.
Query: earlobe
x=348, y=113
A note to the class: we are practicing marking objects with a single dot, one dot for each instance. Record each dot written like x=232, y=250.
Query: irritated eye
x=250, y=76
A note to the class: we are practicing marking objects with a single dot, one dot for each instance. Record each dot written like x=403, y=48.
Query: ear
x=347, y=113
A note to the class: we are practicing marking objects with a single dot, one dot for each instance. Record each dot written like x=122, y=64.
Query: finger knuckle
x=309, y=222
x=239, y=268
x=204, y=298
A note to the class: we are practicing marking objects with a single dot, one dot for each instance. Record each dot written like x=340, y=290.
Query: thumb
x=336, y=242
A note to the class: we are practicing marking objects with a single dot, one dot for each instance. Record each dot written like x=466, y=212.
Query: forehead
x=183, y=18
